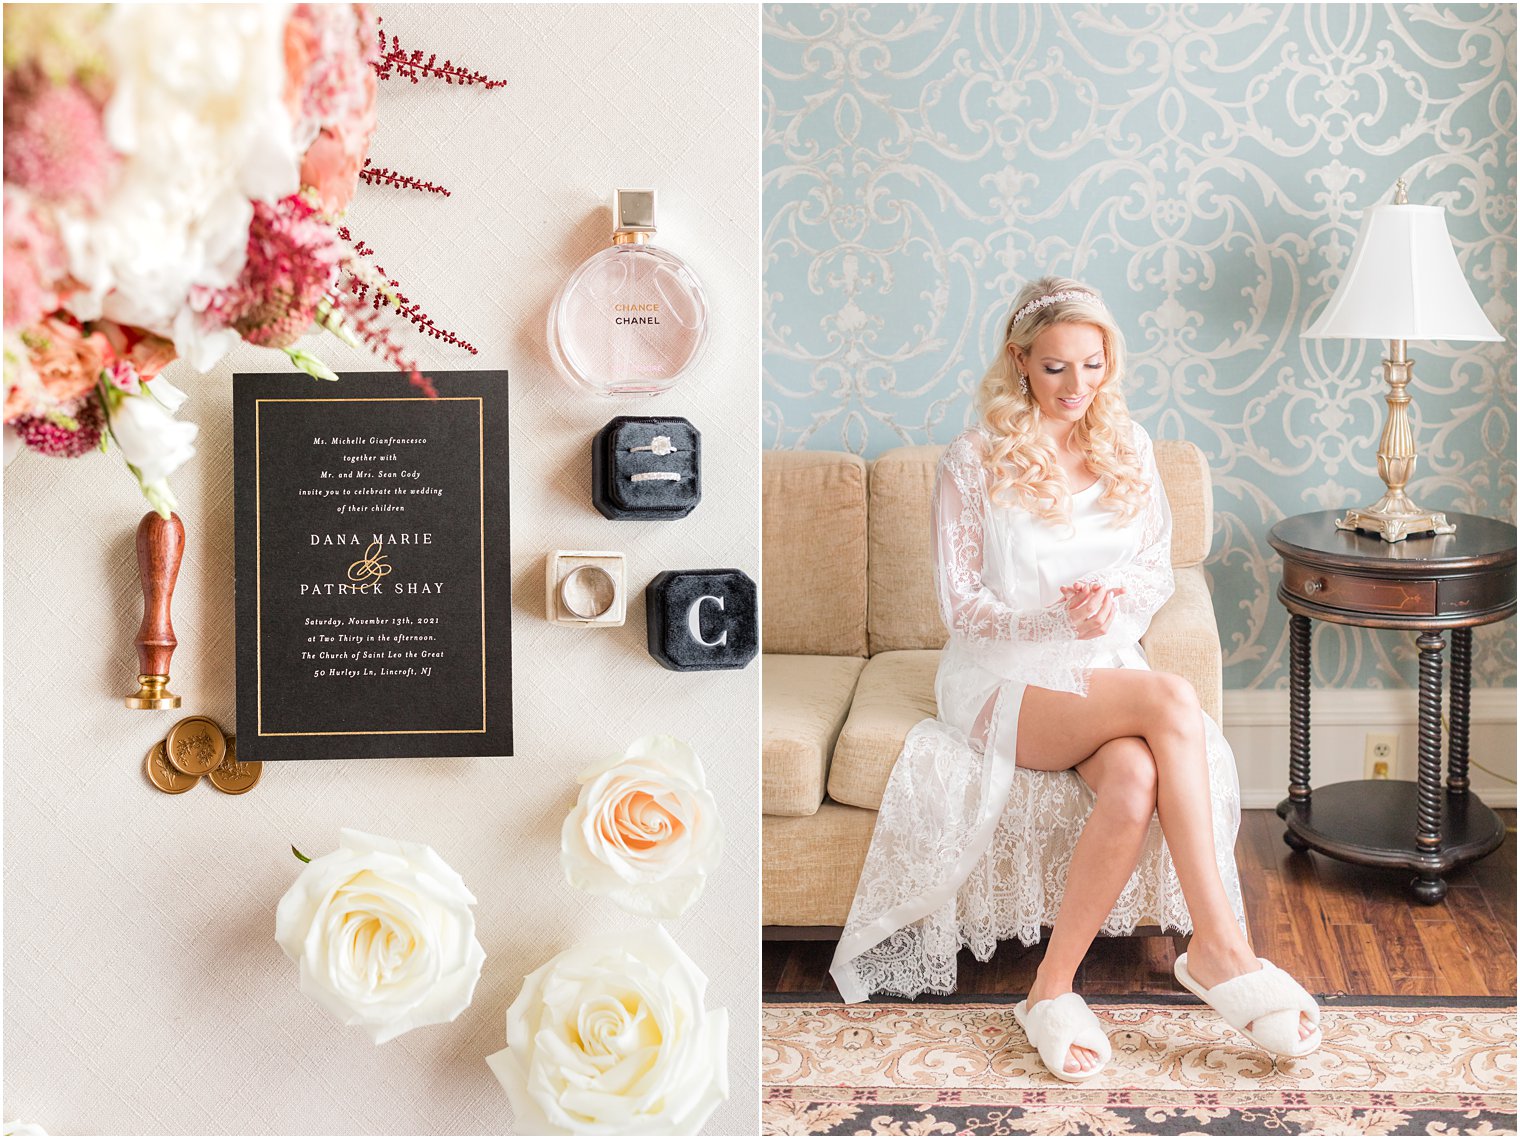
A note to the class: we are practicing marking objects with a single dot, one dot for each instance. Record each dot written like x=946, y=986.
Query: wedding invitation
x=373, y=571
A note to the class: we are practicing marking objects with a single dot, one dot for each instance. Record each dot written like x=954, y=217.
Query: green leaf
x=60, y=419
x=298, y=854
x=310, y=364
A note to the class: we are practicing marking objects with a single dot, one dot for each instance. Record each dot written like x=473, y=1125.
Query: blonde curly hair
x=1020, y=459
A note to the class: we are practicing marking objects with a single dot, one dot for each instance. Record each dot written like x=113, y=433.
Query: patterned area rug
x=1388, y=1066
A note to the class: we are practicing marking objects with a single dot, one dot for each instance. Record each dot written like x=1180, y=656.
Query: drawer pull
x=1314, y=585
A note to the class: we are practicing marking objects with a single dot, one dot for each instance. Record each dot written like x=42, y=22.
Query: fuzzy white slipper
x=1269, y=997
x=1053, y=1026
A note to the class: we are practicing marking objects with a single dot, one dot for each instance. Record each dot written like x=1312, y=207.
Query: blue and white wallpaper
x=1206, y=167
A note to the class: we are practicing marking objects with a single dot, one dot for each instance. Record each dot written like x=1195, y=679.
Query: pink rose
x=331, y=168
x=66, y=363
x=35, y=263
x=146, y=353
x=330, y=92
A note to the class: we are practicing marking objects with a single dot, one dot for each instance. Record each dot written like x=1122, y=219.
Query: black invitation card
x=373, y=570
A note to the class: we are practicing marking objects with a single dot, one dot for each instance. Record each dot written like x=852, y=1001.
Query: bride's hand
x=1090, y=607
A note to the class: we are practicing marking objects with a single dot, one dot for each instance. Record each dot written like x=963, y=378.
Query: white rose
x=151, y=439
x=645, y=831
x=384, y=935
x=610, y=1038
x=21, y=1127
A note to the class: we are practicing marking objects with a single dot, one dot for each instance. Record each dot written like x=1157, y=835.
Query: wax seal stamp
x=196, y=745
x=163, y=775
x=160, y=546
x=232, y=776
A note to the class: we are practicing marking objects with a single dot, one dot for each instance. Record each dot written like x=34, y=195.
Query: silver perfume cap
x=633, y=215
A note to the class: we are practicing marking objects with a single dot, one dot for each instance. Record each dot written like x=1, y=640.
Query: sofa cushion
x=1190, y=494
x=904, y=613
x=896, y=691
x=814, y=532
x=805, y=700
x=1184, y=638
x=812, y=865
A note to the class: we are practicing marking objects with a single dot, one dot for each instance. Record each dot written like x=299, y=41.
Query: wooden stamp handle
x=160, y=546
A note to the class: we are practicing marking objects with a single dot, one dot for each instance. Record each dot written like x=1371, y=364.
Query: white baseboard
x=1256, y=724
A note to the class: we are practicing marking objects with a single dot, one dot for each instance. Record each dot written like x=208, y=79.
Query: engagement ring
x=659, y=445
x=655, y=476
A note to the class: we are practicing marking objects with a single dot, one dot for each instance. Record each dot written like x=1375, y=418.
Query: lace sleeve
x=971, y=610
x=1147, y=579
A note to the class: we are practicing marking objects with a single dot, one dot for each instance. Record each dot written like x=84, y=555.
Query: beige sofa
x=852, y=635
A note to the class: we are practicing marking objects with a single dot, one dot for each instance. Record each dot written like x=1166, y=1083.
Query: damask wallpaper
x=1205, y=167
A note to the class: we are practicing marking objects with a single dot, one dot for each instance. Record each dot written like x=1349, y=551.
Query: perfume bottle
x=632, y=319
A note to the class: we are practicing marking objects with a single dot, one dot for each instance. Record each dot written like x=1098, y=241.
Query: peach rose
x=645, y=830
x=65, y=363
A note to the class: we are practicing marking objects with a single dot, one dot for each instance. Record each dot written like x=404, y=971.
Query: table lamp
x=1403, y=283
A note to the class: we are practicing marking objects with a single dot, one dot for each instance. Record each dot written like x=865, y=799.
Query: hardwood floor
x=1336, y=927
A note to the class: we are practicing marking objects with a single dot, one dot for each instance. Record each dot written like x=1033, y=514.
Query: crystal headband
x=1051, y=298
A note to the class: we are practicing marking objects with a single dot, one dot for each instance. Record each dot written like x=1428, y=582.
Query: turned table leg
x=1460, y=700
x=1299, y=632
x=1428, y=886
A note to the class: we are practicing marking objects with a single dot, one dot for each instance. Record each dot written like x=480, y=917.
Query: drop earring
x=1023, y=384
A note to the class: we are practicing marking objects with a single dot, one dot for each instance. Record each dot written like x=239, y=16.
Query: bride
x=1052, y=540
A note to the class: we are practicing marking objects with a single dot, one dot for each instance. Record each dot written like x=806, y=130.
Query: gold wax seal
x=233, y=777
x=163, y=776
x=195, y=745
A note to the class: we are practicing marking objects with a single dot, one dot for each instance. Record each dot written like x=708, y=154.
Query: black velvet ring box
x=702, y=619
x=614, y=462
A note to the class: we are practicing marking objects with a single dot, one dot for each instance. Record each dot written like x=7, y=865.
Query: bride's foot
x=1213, y=963
x=1078, y=1058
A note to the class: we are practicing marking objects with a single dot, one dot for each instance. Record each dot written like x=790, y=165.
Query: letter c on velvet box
x=694, y=622
x=677, y=601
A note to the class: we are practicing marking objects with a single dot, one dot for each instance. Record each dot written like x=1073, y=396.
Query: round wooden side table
x=1428, y=585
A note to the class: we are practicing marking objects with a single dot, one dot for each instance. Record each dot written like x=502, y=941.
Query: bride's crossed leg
x=1137, y=739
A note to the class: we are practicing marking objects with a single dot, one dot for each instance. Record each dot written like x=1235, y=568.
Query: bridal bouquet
x=174, y=176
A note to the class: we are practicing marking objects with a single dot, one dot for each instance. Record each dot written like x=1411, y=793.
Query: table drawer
x=1360, y=594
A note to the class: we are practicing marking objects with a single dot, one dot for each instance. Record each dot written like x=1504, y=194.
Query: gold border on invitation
x=258, y=552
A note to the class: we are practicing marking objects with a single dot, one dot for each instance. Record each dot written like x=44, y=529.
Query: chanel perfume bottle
x=633, y=318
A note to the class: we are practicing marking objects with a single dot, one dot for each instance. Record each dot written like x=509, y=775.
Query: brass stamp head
x=152, y=693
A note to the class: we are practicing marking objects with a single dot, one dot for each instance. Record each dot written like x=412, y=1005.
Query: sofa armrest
x=1184, y=638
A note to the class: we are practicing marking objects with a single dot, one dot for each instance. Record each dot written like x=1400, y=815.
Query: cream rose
x=645, y=831
x=610, y=1038
x=384, y=935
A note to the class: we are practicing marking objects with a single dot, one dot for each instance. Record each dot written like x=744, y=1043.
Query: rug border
x=1164, y=999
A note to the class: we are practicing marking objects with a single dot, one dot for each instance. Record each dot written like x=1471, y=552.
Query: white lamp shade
x=1403, y=283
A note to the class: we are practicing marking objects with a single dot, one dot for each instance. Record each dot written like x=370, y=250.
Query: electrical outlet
x=1382, y=755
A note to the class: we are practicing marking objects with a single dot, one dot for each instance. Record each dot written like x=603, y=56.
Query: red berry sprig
x=382, y=175
x=395, y=60
x=387, y=294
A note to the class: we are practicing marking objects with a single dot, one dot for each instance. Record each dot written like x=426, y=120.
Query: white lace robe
x=968, y=848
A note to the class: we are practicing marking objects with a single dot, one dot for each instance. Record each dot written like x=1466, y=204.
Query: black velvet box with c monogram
x=702, y=619
x=646, y=467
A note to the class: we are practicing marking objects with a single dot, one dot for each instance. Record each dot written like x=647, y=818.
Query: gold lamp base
x=152, y=693
x=1394, y=517
x=1393, y=527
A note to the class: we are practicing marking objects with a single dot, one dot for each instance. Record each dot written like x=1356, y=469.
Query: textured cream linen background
x=144, y=992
